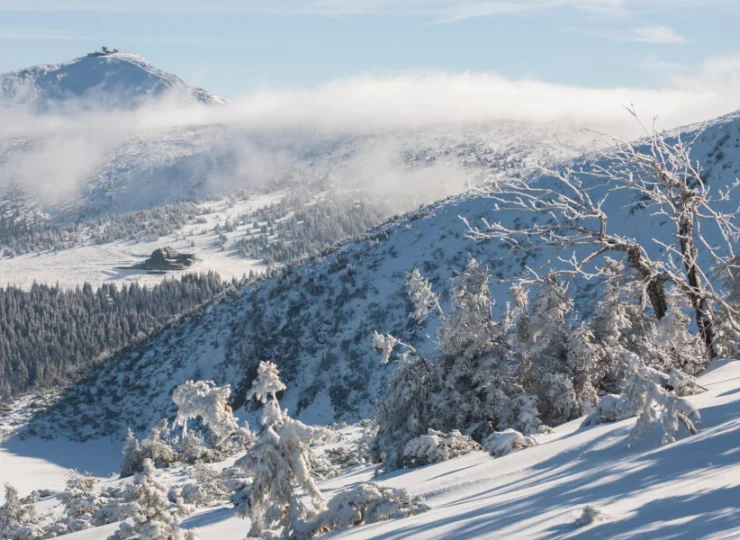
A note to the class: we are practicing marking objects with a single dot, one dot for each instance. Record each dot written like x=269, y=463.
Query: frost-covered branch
x=666, y=182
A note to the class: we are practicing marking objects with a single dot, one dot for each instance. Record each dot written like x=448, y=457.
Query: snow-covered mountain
x=316, y=320
x=126, y=172
x=107, y=80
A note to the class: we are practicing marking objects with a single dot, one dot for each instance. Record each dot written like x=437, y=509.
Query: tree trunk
x=656, y=286
x=704, y=319
x=656, y=294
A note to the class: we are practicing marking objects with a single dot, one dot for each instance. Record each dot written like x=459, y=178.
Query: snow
x=118, y=79
x=687, y=489
x=37, y=464
x=97, y=264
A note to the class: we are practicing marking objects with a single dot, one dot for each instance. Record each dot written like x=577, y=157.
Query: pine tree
x=131, y=462
x=205, y=400
x=151, y=513
x=18, y=521
x=404, y=411
x=543, y=353
x=277, y=468
x=474, y=382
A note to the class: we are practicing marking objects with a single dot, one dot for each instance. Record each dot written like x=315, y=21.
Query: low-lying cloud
x=67, y=147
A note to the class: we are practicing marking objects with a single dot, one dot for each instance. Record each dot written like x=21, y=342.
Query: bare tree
x=663, y=180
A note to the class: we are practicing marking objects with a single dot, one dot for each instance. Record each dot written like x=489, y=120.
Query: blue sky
x=235, y=47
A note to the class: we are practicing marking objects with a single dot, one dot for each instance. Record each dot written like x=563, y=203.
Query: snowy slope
x=683, y=490
x=139, y=168
x=316, y=320
x=118, y=80
x=687, y=489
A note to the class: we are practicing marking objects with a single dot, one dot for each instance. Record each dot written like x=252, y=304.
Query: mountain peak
x=107, y=78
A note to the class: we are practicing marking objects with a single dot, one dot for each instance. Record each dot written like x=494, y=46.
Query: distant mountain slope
x=155, y=167
x=115, y=80
x=316, y=320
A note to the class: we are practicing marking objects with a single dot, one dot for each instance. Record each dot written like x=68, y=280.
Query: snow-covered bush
x=501, y=443
x=607, y=410
x=155, y=447
x=148, y=512
x=18, y=520
x=590, y=515
x=655, y=407
x=195, y=494
x=667, y=344
x=366, y=503
x=321, y=467
x=342, y=457
x=654, y=397
x=205, y=400
x=207, y=487
x=277, y=468
x=192, y=449
x=435, y=447
x=82, y=504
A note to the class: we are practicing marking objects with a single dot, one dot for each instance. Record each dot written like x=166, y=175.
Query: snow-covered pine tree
x=667, y=344
x=80, y=500
x=728, y=340
x=543, y=353
x=612, y=323
x=131, y=461
x=18, y=521
x=147, y=511
x=587, y=367
x=425, y=300
x=205, y=400
x=472, y=386
x=156, y=447
x=474, y=380
x=277, y=468
x=403, y=412
x=614, y=312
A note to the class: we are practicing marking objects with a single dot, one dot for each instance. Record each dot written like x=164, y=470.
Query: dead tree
x=665, y=182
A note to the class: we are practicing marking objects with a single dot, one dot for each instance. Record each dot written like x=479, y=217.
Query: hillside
x=682, y=490
x=115, y=80
x=316, y=320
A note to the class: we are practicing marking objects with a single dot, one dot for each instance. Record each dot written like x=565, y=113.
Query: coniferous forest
x=48, y=335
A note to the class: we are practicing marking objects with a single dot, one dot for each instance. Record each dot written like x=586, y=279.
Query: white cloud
x=375, y=103
x=656, y=34
x=653, y=34
x=40, y=34
x=715, y=74
x=438, y=102
x=444, y=9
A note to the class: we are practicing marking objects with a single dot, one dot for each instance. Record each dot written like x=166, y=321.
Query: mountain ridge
x=316, y=320
x=110, y=80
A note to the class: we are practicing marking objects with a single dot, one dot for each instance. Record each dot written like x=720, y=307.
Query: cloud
x=444, y=9
x=715, y=74
x=654, y=34
x=261, y=133
x=38, y=34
